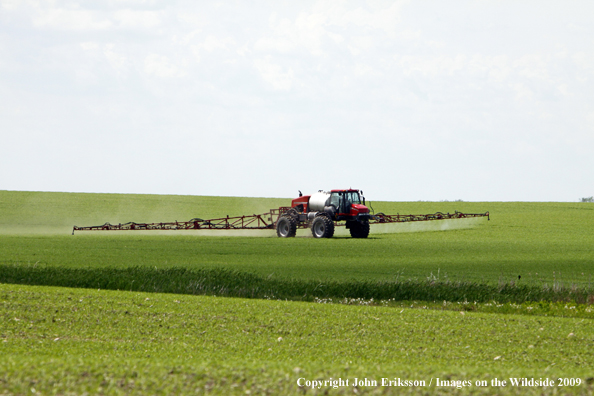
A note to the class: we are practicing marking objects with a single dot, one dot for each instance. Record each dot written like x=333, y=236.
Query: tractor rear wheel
x=322, y=227
x=359, y=229
x=286, y=227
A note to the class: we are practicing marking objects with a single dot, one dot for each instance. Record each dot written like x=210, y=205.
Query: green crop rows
x=56, y=341
x=541, y=242
x=517, y=291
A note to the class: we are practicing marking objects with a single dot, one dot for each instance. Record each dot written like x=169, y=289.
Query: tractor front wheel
x=359, y=229
x=322, y=227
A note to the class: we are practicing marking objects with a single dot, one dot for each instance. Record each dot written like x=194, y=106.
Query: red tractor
x=319, y=211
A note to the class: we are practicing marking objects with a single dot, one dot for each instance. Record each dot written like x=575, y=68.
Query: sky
x=421, y=100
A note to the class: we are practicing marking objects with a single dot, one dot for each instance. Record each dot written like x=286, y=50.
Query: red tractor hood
x=358, y=208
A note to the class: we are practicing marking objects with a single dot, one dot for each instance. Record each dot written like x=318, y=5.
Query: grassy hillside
x=541, y=242
x=56, y=213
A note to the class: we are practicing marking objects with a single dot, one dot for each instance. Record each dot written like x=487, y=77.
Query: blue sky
x=420, y=100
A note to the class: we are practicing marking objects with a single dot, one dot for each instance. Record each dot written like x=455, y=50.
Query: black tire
x=359, y=229
x=286, y=227
x=322, y=227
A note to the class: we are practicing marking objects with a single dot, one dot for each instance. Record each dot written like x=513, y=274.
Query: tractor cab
x=348, y=203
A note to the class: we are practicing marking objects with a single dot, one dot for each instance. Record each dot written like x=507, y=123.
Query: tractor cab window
x=343, y=200
x=335, y=200
x=353, y=197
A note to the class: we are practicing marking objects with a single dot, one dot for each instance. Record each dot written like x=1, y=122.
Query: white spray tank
x=320, y=202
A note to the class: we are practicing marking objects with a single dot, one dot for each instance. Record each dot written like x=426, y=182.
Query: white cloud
x=273, y=43
x=274, y=74
x=325, y=22
x=435, y=65
x=309, y=31
x=533, y=66
x=361, y=44
x=337, y=38
x=212, y=43
x=563, y=89
x=209, y=44
x=191, y=19
x=161, y=66
x=495, y=70
x=523, y=93
x=67, y=16
x=89, y=46
x=117, y=61
x=10, y=4
x=86, y=77
x=590, y=120
x=585, y=60
x=363, y=69
x=65, y=19
x=133, y=19
x=500, y=68
x=381, y=18
x=187, y=38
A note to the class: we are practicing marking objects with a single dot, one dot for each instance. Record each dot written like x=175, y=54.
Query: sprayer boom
x=265, y=221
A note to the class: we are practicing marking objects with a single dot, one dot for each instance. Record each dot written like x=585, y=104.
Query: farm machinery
x=320, y=212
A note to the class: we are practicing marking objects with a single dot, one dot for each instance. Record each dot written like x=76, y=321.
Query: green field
x=61, y=341
x=541, y=242
x=71, y=341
